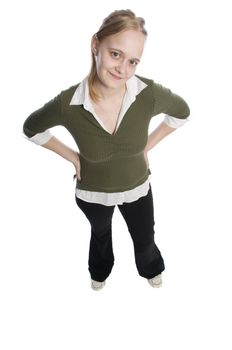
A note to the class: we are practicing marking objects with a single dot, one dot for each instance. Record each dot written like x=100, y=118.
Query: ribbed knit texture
x=109, y=163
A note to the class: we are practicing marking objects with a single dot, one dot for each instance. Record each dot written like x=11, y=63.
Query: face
x=117, y=57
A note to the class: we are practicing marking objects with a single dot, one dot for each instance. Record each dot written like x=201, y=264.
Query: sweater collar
x=81, y=95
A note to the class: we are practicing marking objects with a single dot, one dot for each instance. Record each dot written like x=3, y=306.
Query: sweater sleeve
x=36, y=126
x=175, y=107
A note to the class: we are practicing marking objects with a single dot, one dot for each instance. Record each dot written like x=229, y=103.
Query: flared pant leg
x=101, y=257
x=139, y=217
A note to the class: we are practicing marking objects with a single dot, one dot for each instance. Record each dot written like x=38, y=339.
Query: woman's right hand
x=77, y=165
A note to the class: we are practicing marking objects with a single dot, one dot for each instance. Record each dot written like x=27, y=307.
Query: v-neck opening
x=96, y=116
x=81, y=97
x=107, y=132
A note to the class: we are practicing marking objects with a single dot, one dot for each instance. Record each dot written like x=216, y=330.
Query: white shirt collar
x=81, y=95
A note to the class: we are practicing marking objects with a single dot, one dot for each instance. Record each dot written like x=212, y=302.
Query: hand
x=77, y=165
x=146, y=158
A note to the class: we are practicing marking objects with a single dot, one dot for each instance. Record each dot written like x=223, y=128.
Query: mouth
x=115, y=76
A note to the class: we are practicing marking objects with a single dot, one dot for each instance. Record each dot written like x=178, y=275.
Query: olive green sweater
x=109, y=163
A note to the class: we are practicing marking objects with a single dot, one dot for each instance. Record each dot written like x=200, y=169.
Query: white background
x=46, y=300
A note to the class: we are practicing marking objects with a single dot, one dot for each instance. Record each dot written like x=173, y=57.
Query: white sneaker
x=97, y=285
x=156, y=281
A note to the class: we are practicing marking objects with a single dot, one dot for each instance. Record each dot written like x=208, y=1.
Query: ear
x=94, y=44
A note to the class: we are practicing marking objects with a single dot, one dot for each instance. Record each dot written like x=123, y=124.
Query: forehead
x=131, y=42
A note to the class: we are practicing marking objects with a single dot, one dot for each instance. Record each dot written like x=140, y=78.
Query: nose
x=121, y=67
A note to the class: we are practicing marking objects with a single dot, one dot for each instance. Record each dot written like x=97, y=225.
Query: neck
x=106, y=93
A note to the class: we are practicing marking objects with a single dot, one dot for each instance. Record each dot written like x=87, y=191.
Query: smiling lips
x=115, y=76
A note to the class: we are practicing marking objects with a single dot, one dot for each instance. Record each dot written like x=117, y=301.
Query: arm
x=176, y=114
x=36, y=128
x=65, y=152
x=156, y=136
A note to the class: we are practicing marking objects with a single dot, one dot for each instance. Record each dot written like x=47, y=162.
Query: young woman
x=108, y=115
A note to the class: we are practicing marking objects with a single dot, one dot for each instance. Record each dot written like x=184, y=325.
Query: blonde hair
x=114, y=23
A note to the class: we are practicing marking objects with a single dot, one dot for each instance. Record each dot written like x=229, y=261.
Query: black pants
x=139, y=217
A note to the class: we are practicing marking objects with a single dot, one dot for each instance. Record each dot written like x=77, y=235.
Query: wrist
x=146, y=150
x=74, y=159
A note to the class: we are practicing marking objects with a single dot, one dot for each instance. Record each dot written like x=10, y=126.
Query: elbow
x=26, y=129
x=187, y=112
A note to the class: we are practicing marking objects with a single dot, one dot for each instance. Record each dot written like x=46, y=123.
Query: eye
x=115, y=54
x=133, y=63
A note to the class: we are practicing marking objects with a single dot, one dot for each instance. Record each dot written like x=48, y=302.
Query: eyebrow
x=134, y=58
